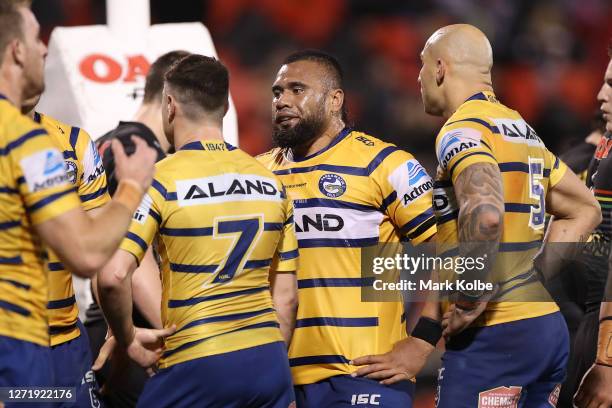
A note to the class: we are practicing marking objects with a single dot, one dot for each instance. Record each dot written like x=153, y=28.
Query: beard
x=305, y=131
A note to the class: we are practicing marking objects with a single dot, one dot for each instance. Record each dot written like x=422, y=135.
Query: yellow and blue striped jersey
x=85, y=171
x=482, y=130
x=355, y=193
x=34, y=188
x=223, y=223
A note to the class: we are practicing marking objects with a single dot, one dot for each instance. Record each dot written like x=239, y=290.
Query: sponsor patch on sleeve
x=92, y=164
x=455, y=142
x=44, y=169
x=142, y=212
x=410, y=180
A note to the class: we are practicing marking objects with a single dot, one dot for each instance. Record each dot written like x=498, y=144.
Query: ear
x=440, y=71
x=336, y=100
x=17, y=51
x=171, y=107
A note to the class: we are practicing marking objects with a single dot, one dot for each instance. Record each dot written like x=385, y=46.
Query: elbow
x=594, y=214
x=287, y=302
x=490, y=223
x=87, y=265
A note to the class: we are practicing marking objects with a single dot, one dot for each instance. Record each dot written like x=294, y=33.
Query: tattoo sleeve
x=480, y=197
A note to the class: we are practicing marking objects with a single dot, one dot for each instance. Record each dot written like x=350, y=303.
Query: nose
x=282, y=101
x=601, y=95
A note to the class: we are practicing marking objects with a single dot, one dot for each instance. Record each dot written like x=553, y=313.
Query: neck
x=186, y=131
x=458, y=94
x=10, y=87
x=320, y=142
x=149, y=114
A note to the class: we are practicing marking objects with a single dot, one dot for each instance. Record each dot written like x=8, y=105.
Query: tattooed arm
x=480, y=197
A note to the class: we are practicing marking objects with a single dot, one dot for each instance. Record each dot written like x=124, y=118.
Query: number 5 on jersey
x=244, y=233
x=536, y=192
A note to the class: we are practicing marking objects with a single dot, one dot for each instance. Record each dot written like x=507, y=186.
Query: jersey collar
x=481, y=96
x=37, y=117
x=339, y=137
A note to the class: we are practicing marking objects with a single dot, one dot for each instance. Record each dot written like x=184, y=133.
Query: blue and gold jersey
x=355, y=193
x=34, y=188
x=483, y=130
x=223, y=223
x=86, y=173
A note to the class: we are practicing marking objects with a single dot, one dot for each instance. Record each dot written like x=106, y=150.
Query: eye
x=297, y=90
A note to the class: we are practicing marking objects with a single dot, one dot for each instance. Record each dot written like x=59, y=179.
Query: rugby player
x=122, y=380
x=39, y=205
x=596, y=387
x=349, y=190
x=225, y=234
x=498, y=180
x=70, y=350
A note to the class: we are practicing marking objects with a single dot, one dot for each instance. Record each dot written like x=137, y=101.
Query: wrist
x=428, y=330
x=129, y=194
x=127, y=338
x=604, y=342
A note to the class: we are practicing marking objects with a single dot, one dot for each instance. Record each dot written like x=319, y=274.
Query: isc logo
x=363, y=399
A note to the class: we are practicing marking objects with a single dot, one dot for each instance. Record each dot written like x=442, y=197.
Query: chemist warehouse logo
x=500, y=397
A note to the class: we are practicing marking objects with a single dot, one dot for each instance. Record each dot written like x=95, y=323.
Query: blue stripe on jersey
x=160, y=188
x=16, y=284
x=193, y=268
x=337, y=321
x=2, y=97
x=9, y=224
x=288, y=221
x=14, y=308
x=388, y=201
x=69, y=154
x=422, y=228
x=74, y=137
x=21, y=140
x=416, y=221
x=518, y=166
x=55, y=266
x=208, y=231
x=62, y=303
x=443, y=183
x=226, y=318
x=192, y=146
x=49, y=199
x=141, y=242
x=556, y=165
x=196, y=342
x=230, y=147
x=9, y=190
x=335, y=283
x=452, y=169
x=89, y=197
x=337, y=242
x=285, y=256
x=324, y=359
x=21, y=180
x=532, y=279
x=525, y=275
x=448, y=217
x=492, y=128
x=339, y=137
x=171, y=196
x=15, y=260
x=518, y=246
x=273, y=226
x=174, y=303
x=155, y=215
x=187, y=232
x=257, y=263
x=37, y=117
x=517, y=207
x=329, y=203
x=350, y=170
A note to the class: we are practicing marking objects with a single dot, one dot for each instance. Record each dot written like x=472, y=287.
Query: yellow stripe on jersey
x=85, y=171
x=483, y=130
x=221, y=220
x=33, y=189
x=357, y=192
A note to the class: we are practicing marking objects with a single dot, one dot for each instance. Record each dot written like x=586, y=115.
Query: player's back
x=484, y=130
x=220, y=218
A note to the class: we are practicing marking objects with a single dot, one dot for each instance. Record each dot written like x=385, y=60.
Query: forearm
x=286, y=316
x=146, y=289
x=115, y=294
x=284, y=296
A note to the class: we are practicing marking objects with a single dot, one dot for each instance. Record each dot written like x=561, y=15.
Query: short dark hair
x=331, y=64
x=201, y=81
x=11, y=22
x=155, y=77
